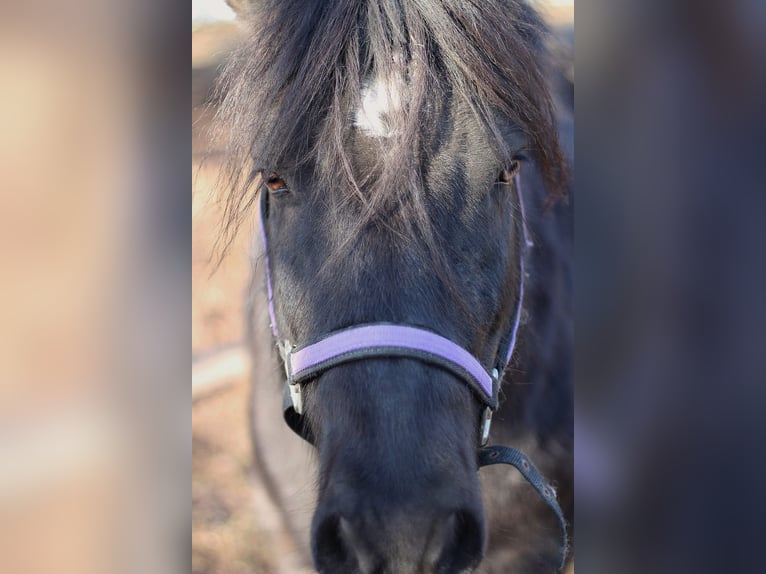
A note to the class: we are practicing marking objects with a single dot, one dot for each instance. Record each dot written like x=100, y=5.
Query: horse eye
x=506, y=175
x=275, y=184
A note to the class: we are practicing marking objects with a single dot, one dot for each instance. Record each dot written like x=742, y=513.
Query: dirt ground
x=234, y=528
x=227, y=531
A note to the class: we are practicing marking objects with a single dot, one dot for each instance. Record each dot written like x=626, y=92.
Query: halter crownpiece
x=304, y=363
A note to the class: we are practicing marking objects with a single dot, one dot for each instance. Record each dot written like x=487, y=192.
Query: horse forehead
x=381, y=98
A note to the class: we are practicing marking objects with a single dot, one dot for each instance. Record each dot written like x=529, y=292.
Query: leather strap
x=507, y=455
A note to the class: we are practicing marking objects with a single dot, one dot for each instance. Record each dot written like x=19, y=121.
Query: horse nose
x=412, y=542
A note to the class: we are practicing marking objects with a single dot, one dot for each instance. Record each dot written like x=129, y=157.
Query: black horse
x=397, y=143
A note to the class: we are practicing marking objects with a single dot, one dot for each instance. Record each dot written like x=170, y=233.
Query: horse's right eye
x=275, y=184
x=506, y=176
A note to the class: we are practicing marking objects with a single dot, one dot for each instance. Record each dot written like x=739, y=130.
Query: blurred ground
x=235, y=529
x=226, y=536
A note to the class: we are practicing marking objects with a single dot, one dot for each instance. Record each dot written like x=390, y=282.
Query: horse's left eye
x=275, y=184
x=506, y=175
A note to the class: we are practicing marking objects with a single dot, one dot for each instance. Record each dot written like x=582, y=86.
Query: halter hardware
x=486, y=425
x=296, y=396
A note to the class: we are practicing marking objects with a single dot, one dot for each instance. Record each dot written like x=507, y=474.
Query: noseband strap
x=388, y=340
x=304, y=363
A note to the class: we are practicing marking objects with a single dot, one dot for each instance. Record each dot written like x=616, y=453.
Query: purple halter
x=302, y=363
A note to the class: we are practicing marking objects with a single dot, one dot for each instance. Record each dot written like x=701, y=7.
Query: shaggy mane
x=290, y=92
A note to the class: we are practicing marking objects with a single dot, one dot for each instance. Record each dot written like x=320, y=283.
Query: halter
x=305, y=362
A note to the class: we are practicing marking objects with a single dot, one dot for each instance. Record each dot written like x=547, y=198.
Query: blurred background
x=94, y=288
x=670, y=276
x=231, y=532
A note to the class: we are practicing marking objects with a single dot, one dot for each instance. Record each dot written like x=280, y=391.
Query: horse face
x=397, y=438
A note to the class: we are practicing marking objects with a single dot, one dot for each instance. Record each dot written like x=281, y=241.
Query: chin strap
x=507, y=455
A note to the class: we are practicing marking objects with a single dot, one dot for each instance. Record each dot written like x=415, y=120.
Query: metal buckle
x=297, y=397
x=285, y=349
x=486, y=422
x=485, y=426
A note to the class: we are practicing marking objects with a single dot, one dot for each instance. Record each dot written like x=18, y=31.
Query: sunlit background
x=93, y=265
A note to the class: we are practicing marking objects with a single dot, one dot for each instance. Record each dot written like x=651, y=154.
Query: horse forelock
x=310, y=72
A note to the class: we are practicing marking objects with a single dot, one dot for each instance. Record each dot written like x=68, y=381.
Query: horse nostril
x=417, y=542
x=330, y=551
x=338, y=548
x=463, y=542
